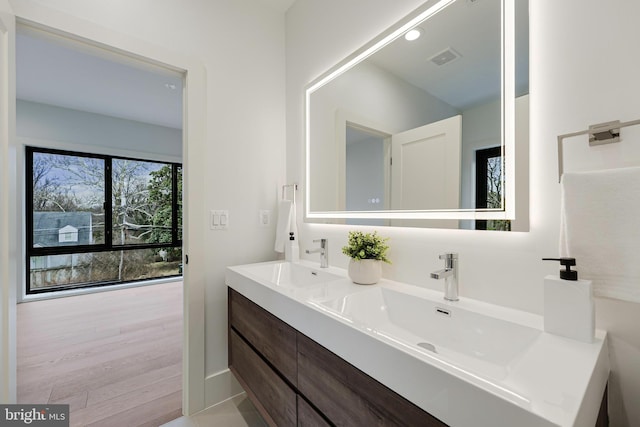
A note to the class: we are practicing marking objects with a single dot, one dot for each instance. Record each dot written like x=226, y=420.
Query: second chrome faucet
x=450, y=276
x=323, y=250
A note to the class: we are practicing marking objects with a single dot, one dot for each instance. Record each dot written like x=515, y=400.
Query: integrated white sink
x=467, y=362
x=480, y=343
x=290, y=275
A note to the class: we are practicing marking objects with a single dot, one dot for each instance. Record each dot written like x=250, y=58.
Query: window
x=97, y=220
x=489, y=191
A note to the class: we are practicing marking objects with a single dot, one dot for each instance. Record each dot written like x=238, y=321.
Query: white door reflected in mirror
x=425, y=170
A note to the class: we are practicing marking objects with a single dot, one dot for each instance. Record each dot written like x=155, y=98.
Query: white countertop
x=555, y=382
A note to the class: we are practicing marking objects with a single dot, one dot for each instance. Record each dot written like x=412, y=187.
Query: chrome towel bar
x=284, y=190
x=599, y=134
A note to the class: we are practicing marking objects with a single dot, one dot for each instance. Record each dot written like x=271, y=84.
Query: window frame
x=108, y=245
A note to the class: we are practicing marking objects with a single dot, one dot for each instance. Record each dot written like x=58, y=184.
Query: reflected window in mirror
x=489, y=189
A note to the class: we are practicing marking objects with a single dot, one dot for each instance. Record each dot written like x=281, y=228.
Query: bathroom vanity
x=313, y=349
x=287, y=374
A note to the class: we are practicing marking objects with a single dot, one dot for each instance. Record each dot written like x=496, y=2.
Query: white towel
x=284, y=222
x=600, y=227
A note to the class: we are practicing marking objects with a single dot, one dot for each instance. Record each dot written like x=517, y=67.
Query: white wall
x=480, y=129
x=365, y=174
x=58, y=127
x=569, y=90
x=241, y=45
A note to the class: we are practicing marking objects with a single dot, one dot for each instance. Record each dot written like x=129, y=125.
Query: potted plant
x=367, y=251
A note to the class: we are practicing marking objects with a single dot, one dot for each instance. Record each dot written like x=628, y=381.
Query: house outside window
x=67, y=234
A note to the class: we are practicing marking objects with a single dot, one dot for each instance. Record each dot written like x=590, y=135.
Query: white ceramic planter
x=365, y=271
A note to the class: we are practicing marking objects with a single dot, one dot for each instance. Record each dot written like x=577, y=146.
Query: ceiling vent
x=445, y=57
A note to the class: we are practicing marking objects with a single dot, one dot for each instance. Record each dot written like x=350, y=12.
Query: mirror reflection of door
x=367, y=171
x=425, y=172
x=489, y=188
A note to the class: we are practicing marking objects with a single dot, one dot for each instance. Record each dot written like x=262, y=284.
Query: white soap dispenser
x=291, y=249
x=569, y=309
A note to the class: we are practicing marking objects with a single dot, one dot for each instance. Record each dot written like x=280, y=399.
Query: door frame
x=194, y=139
x=8, y=257
x=344, y=118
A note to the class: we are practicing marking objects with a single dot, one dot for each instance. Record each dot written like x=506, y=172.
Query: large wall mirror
x=427, y=125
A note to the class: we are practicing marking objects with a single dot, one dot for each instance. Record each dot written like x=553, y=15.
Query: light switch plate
x=219, y=219
x=264, y=217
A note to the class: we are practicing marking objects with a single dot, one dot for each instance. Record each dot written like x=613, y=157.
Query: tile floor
x=235, y=412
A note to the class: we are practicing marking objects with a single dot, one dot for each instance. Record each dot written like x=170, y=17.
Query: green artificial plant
x=366, y=246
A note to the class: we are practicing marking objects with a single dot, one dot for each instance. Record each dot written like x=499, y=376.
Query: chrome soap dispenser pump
x=569, y=309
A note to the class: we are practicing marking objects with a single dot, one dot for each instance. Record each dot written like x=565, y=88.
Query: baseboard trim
x=219, y=387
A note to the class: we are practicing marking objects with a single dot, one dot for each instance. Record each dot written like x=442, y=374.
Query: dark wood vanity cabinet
x=309, y=417
x=273, y=339
x=294, y=381
x=348, y=396
x=271, y=395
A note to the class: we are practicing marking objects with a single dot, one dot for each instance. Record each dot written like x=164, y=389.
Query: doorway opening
x=367, y=169
x=101, y=137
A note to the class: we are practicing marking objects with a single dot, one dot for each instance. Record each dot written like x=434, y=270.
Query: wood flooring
x=115, y=357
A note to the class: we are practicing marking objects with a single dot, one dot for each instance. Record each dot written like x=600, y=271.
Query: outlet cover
x=264, y=218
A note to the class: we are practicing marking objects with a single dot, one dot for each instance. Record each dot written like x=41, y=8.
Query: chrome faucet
x=450, y=276
x=323, y=250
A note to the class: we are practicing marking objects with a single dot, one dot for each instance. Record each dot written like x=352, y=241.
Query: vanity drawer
x=349, y=397
x=273, y=397
x=308, y=417
x=270, y=336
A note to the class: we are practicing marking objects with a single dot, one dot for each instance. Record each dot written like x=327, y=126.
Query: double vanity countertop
x=467, y=363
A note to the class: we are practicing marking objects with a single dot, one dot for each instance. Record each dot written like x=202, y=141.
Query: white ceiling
x=60, y=72
x=279, y=5
x=65, y=73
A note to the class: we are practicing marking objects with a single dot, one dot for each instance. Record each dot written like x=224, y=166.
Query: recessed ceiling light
x=413, y=34
x=170, y=86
